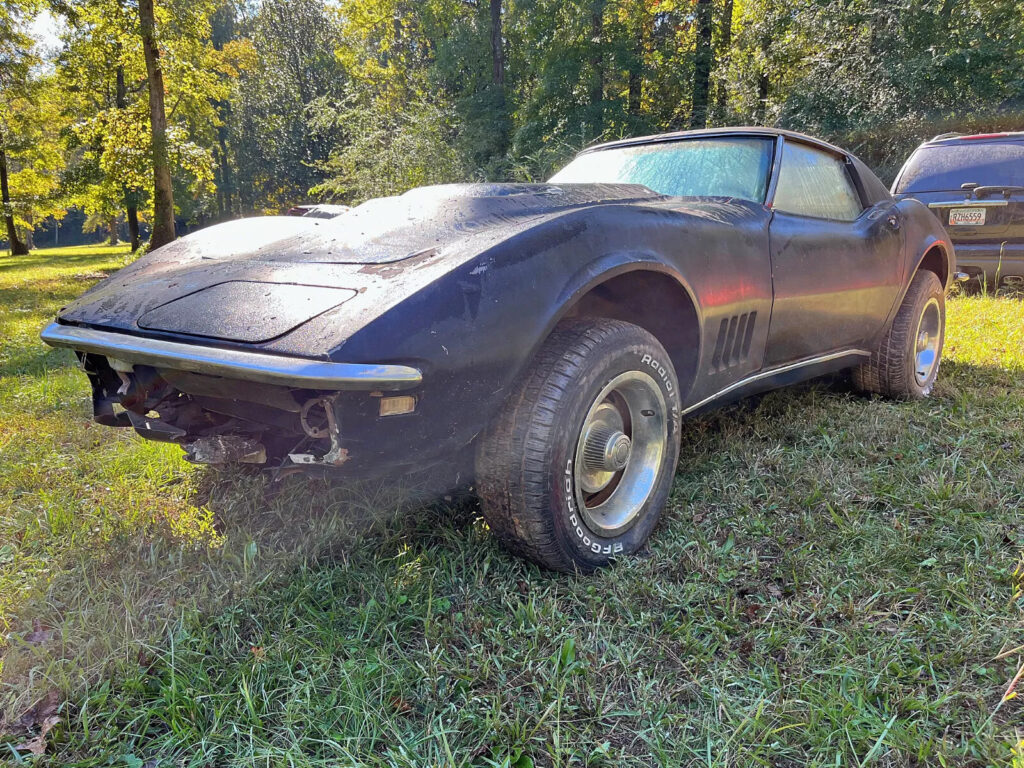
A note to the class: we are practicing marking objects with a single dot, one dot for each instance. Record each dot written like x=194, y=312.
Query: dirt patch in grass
x=837, y=579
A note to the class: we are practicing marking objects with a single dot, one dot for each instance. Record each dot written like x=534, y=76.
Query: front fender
x=612, y=265
x=473, y=331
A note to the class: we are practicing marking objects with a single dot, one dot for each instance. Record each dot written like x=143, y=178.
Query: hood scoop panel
x=245, y=311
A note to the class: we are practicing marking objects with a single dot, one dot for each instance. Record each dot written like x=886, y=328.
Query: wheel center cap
x=617, y=452
x=607, y=449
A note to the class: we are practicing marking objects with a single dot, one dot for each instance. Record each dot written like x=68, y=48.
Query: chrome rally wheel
x=928, y=340
x=619, y=452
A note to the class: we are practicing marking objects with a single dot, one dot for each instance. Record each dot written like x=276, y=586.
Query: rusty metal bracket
x=337, y=455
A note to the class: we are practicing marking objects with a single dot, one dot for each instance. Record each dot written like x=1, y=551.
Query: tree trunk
x=112, y=231
x=163, y=192
x=762, y=96
x=497, y=45
x=18, y=248
x=763, y=83
x=132, y=214
x=597, y=67
x=120, y=89
x=222, y=31
x=703, y=62
x=724, y=52
x=224, y=195
x=636, y=71
x=131, y=211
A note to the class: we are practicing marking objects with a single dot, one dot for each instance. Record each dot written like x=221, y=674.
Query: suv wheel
x=578, y=465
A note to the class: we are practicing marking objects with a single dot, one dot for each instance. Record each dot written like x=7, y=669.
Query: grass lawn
x=838, y=581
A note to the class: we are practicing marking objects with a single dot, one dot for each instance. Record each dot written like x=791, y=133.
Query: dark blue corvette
x=547, y=337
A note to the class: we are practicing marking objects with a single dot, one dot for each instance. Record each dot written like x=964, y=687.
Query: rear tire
x=906, y=362
x=577, y=466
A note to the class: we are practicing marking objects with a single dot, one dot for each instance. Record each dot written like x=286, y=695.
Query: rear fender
x=922, y=233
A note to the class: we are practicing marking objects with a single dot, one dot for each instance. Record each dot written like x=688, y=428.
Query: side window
x=815, y=183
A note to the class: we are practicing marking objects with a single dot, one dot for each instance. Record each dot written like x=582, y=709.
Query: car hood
x=391, y=229
x=255, y=280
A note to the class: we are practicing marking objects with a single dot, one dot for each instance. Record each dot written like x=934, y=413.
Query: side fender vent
x=733, y=345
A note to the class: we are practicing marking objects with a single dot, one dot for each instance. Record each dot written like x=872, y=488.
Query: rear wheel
x=906, y=361
x=578, y=465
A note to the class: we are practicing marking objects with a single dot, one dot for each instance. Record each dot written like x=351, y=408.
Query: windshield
x=704, y=167
x=945, y=168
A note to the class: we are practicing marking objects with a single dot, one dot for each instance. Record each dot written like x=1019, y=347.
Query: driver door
x=836, y=266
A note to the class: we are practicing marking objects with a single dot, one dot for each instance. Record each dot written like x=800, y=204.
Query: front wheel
x=906, y=361
x=578, y=465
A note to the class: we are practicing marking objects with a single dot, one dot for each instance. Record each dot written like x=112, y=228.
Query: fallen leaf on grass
x=39, y=634
x=37, y=746
x=42, y=710
x=400, y=705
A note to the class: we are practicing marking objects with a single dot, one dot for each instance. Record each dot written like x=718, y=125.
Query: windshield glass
x=706, y=167
x=945, y=168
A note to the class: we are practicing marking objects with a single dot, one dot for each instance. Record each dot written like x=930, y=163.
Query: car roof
x=741, y=130
x=947, y=139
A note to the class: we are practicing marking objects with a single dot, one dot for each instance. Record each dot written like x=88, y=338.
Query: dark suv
x=975, y=185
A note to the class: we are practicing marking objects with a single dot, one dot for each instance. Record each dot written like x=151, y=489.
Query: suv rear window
x=944, y=168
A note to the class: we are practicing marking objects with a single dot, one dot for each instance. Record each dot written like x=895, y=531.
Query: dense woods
x=177, y=113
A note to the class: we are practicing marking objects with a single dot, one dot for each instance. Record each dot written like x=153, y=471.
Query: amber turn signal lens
x=395, y=406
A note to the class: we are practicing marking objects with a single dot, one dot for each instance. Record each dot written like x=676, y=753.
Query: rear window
x=944, y=168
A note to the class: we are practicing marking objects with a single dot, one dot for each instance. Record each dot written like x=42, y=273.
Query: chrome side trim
x=232, y=363
x=775, y=372
x=969, y=204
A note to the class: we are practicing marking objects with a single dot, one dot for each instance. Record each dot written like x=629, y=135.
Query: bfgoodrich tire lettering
x=554, y=470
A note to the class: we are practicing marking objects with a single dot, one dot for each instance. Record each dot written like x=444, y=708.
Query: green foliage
x=104, y=78
x=285, y=54
x=30, y=128
x=387, y=152
x=272, y=102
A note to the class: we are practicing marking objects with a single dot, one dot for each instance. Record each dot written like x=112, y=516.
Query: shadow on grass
x=227, y=537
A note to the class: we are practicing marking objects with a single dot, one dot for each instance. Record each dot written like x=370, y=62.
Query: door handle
x=894, y=221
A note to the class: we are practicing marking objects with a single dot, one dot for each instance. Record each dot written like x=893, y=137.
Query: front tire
x=906, y=362
x=579, y=463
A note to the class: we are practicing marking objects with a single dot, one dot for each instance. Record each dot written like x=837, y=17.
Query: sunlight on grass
x=837, y=579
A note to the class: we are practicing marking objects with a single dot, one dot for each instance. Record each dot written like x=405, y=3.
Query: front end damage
x=231, y=409
x=215, y=420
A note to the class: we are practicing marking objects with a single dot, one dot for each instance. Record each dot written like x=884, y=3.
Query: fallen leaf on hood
x=37, y=746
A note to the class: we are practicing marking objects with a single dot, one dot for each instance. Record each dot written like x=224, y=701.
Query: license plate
x=966, y=217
